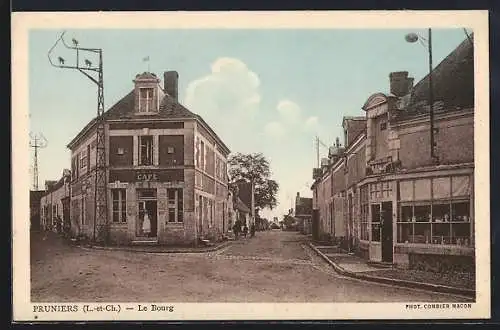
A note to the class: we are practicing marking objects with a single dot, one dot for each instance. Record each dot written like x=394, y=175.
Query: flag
x=146, y=59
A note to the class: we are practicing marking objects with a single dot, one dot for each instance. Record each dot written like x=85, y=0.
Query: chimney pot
x=400, y=84
x=171, y=84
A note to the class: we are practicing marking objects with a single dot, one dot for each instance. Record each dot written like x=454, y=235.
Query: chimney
x=170, y=83
x=400, y=84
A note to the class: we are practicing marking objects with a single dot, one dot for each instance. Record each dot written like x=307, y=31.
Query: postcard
x=319, y=165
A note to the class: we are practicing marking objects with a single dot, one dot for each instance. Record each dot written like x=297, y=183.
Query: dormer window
x=146, y=100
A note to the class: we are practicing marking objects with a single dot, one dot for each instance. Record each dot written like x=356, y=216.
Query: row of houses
x=383, y=196
x=163, y=163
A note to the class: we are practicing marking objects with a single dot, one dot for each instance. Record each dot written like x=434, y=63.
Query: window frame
x=151, y=149
x=146, y=101
x=176, y=204
x=122, y=205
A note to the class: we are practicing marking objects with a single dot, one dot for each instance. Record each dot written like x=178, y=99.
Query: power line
x=37, y=141
x=90, y=70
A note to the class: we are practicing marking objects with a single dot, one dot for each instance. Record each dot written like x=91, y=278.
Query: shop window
x=460, y=186
x=146, y=100
x=376, y=228
x=364, y=211
x=119, y=205
x=146, y=150
x=175, y=205
x=422, y=189
x=441, y=222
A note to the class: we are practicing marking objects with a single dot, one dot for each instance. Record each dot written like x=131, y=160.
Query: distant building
x=54, y=203
x=303, y=212
x=35, y=198
x=164, y=163
x=382, y=195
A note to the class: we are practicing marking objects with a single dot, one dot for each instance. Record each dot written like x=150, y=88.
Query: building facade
x=35, y=209
x=303, y=212
x=392, y=201
x=166, y=170
x=54, y=203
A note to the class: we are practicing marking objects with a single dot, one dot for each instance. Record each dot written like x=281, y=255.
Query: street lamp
x=412, y=38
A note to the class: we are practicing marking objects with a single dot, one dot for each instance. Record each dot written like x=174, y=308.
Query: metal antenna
x=95, y=74
x=37, y=141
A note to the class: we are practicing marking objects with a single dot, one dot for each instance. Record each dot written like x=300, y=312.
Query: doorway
x=387, y=232
x=147, y=210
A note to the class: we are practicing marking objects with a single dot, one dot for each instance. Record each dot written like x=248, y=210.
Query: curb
x=166, y=251
x=392, y=281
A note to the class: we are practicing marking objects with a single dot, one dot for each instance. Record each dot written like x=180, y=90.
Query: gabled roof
x=170, y=109
x=452, y=81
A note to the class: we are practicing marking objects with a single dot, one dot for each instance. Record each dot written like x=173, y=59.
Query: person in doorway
x=146, y=224
x=245, y=230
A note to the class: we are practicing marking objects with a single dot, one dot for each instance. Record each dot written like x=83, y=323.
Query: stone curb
x=392, y=281
x=166, y=251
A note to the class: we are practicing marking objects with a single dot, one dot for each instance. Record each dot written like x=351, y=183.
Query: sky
x=270, y=91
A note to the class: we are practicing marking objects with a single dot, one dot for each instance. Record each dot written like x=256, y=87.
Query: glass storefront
x=435, y=211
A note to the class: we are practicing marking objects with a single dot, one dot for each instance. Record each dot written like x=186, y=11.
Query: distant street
x=274, y=266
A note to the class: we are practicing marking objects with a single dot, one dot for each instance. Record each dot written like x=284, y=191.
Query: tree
x=255, y=168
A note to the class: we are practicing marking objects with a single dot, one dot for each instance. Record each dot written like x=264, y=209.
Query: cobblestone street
x=274, y=266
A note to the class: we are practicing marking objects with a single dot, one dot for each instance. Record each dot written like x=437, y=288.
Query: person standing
x=252, y=230
x=146, y=224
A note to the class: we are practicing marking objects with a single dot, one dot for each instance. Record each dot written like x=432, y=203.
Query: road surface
x=274, y=266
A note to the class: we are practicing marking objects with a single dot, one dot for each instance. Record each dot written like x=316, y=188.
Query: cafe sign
x=146, y=177
x=143, y=175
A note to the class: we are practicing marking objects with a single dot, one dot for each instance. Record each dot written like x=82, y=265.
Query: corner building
x=163, y=162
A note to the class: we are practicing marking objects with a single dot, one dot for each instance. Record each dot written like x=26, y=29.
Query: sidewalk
x=162, y=248
x=356, y=267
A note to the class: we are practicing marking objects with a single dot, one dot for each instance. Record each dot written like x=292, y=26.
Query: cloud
x=274, y=129
x=289, y=110
x=230, y=87
x=312, y=124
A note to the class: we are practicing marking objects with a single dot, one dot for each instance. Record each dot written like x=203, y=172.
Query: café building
x=166, y=170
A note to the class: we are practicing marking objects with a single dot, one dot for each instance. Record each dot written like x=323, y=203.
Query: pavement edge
x=166, y=251
x=392, y=281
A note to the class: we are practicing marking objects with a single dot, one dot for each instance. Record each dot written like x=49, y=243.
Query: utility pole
x=37, y=141
x=90, y=71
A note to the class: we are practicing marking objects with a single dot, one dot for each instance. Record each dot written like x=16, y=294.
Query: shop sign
x=146, y=176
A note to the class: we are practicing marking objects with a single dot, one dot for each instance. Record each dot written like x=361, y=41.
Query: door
x=350, y=224
x=387, y=233
x=200, y=216
x=152, y=212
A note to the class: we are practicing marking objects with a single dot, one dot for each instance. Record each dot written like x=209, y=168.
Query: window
x=83, y=160
x=383, y=126
x=376, y=228
x=380, y=190
x=119, y=205
x=442, y=219
x=84, y=200
x=202, y=156
x=175, y=205
x=146, y=150
x=146, y=100
x=364, y=235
